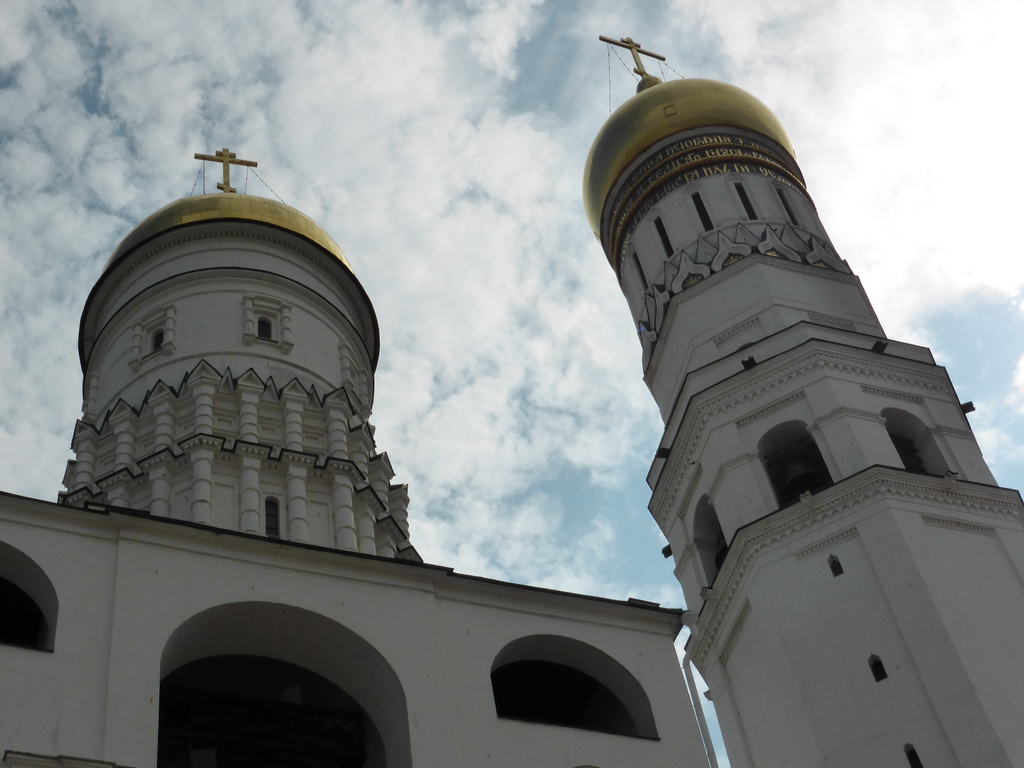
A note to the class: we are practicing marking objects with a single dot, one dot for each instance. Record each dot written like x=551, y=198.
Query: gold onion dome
x=658, y=111
x=228, y=207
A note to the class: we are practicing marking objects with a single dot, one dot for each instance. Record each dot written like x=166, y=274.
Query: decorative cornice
x=838, y=322
x=734, y=633
x=960, y=525
x=726, y=335
x=831, y=541
x=771, y=408
x=890, y=393
x=852, y=494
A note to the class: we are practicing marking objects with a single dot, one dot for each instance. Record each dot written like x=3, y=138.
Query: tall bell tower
x=859, y=576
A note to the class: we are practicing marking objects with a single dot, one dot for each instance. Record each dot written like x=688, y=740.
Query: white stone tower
x=859, y=575
x=228, y=352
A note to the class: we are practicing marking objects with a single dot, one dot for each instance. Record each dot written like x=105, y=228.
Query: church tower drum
x=228, y=353
x=857, y=572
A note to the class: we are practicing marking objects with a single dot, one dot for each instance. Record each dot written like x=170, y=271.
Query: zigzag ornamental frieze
x=771, y=408
x=890, y=393
x=772, y=377
x=734, y=633
x=714, y=255
x=831, y=541
x=852, y=494
x=958, y=525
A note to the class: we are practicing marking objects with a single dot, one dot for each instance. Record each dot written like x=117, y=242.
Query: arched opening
x=793, y=462
x=877, y=668
x=264, y=328
x=241, y=711
x=242, y=662
x=272, y=517
x=914, y=443
x=28, y=602
x=709, y=539
x=562, y=681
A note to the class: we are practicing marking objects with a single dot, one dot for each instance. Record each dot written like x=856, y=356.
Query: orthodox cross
x=635, y=49
x=228, y=159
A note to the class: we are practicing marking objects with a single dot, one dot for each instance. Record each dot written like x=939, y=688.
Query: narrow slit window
x=835, y=566
x=705, y=218
x=912, y=758
x=158, y=340
x=273, y=518
x=665, y=242
x=640, y=268
x=877, y=668
x=264, y=329
x=785, y=204
x=747, y=205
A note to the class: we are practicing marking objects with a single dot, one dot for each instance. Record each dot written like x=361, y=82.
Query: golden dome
x=660, y=111
x=227, y=206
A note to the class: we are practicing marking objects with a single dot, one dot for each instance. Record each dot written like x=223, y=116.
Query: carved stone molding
x=734, y=633
x=831, y=541
x=959, y=525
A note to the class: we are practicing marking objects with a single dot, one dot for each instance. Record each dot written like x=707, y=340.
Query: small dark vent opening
x=21, y=620
x=158, y=340
x=835, y=566
x=747, y=206
x=264, y=329
x=912, y=758
x=665, y=242
x=547, y=692
x=877, y=668
x=705, y=218
x=785, y=204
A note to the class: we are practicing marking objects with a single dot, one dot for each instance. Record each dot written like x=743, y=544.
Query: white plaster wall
x=126, y=585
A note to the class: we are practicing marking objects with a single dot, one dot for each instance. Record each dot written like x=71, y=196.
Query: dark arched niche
x=28, y=601
x=793, y=462
x=914, y=443
x=562, y=681
x=709, y=539
x=313, y=643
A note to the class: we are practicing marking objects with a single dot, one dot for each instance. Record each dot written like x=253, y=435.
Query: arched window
x=264, y=329
x=28, y=602
x=562, y=681
x=793, y=462
x=272, y=511
x=249, y=710
x=709, y=539
x=158, y=340
x=914, y=443
x=267, y=658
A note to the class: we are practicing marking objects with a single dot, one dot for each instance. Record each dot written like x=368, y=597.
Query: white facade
x=859, y=576
x=228, y=579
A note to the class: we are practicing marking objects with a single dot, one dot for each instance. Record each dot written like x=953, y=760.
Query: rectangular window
x=665, y=242
x=705, y=218
x=785, y=204
x=747, y=206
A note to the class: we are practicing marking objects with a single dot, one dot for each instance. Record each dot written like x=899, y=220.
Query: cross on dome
x=636, y=50
x=227, y=158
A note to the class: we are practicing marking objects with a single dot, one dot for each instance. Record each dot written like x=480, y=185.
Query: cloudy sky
x=442, y=145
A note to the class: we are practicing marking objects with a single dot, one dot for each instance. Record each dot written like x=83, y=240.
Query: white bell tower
x=228, y=352
x=859, y=576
